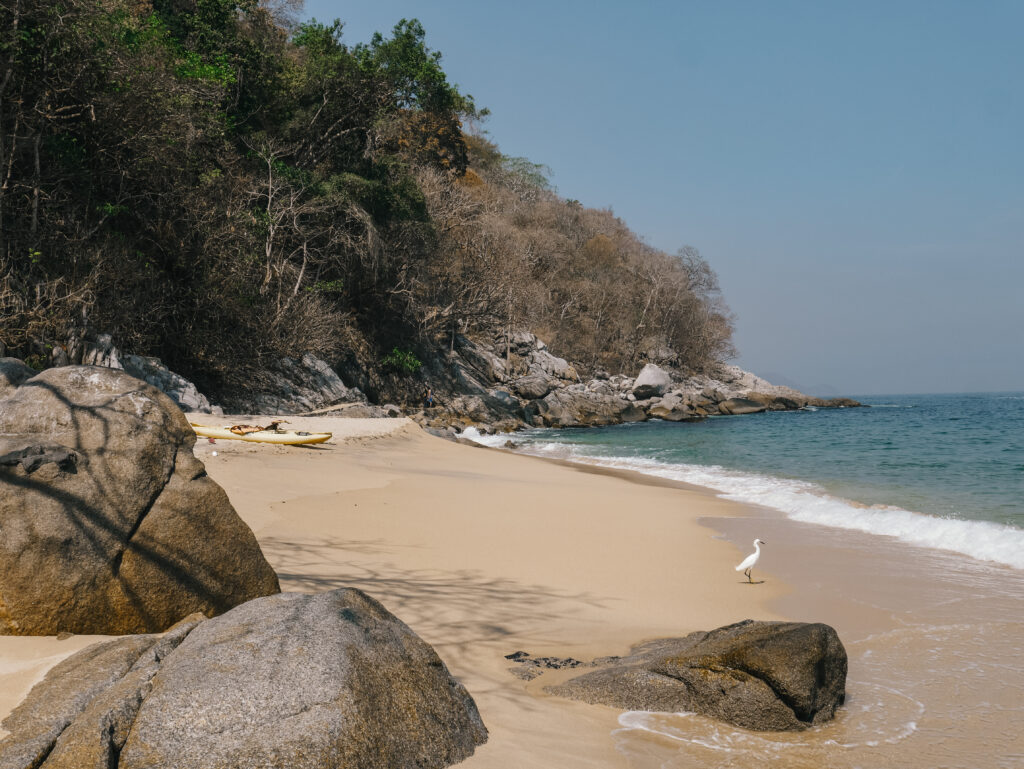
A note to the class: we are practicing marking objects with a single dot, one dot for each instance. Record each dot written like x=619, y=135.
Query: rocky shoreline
x=528, y=386
x=502, y=385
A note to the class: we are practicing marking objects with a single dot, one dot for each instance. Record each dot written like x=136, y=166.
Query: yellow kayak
x=287, y=437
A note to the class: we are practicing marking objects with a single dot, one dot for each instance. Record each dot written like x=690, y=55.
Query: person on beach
x=428, y=398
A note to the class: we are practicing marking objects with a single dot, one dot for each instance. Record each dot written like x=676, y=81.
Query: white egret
x=750, y=560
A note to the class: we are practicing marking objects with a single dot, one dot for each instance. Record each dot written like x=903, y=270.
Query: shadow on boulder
x=110, y=524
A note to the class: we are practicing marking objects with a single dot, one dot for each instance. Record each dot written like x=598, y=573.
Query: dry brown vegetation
x=217, y=190
x=512, y=254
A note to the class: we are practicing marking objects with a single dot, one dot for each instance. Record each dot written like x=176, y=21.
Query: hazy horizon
x=852, y=173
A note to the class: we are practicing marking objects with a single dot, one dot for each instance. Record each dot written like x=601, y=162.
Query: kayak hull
x=285, y=437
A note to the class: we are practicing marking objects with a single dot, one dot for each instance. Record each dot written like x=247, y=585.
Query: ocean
x=938, y=471
x=902, y=526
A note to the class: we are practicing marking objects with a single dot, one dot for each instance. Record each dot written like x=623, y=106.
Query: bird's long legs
x=749, y=578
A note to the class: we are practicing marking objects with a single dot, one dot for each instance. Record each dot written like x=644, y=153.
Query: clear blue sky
x=854, y=172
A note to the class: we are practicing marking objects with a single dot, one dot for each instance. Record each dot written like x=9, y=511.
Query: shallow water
x=900, y=525
x=936, y=675
x=939, y=471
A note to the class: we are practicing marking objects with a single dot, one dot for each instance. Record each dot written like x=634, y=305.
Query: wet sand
x=484, y=553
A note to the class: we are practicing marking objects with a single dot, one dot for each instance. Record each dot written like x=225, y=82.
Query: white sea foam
x=877, y=715
x=802, y=501
x=472, y=434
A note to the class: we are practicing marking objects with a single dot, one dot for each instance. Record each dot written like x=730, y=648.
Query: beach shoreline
x=487, y=552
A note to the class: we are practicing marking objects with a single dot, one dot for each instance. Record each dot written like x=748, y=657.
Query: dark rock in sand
x=290, y=681
x=767, y=676
x=110, y=524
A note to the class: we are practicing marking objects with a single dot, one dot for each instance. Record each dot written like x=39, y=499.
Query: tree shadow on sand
x=457, y=611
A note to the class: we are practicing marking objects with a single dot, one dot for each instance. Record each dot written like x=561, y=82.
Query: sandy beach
x=485, y=553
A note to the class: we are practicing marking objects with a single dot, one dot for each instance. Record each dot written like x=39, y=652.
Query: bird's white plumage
x=750, y=560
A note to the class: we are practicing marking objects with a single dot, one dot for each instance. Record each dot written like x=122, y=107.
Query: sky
x=853, y=171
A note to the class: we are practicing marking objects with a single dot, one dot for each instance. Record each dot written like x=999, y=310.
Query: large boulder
x=487, y=364
x=535, y=385
x=293, y=386
x=12, y=374
x=102, y=352
x=543, y=362
x=110, y=524
x=736, y=406
x=767, y=676
x=79, y=715
x=299, y=681
x=672, y=408
x=581, y=408
x=652, y=382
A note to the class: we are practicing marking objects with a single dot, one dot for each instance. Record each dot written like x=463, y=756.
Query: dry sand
x=484, y=553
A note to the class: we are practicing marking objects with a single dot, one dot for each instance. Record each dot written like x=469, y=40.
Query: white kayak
x=287, y=437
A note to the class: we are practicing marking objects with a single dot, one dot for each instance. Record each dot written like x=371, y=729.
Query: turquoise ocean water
x=939, y=471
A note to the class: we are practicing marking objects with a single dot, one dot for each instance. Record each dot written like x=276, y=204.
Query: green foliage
x=211, y=190
x=328, y=286
x=219, y=70
x=392, y=196
x=401, y=361
x=413, y=70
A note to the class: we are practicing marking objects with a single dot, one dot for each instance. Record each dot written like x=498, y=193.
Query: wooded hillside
x=217, y=187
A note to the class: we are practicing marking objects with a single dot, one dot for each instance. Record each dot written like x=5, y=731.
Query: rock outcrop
x=110, y=524
x=289, y=386
x=541, y=390
x=767, y=676
x=150, y=370
x=737, y=406
x=578, y=407
x=299, y=681
x=500, y=384
x=298, y=387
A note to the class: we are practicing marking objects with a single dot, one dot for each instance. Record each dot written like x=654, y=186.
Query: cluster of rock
x=289, y=386
x=103, y=353
x=518, y=381
x=767, y=676
x=504, y=384
x=299, y=681
x=110, y=525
